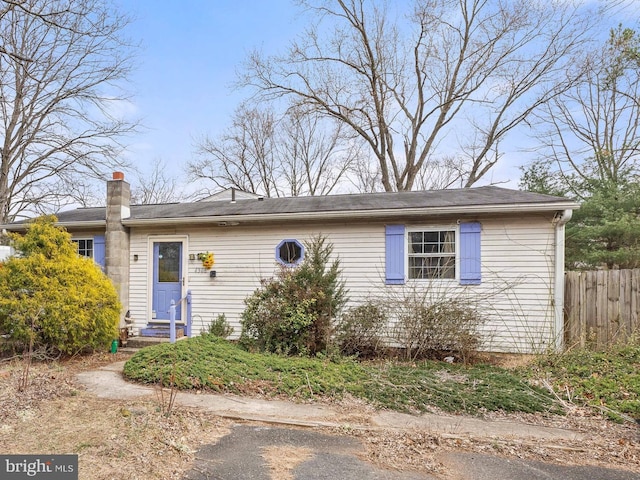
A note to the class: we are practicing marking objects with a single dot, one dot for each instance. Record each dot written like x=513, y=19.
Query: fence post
x=172, y=322
x=189, y=313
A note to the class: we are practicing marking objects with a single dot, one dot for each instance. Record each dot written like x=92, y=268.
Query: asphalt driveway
x=275, y=453
x=241, y=455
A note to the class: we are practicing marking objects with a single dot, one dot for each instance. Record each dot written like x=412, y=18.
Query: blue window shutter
x=394, y=254
x=470, y=253
x=99, y=250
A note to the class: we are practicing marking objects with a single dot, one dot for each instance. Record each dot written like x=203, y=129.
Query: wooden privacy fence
x=601, y=307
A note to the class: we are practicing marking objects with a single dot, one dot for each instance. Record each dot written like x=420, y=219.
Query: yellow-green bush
x=53, y=296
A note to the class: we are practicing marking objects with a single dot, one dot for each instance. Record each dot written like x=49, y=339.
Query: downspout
x=559, y=221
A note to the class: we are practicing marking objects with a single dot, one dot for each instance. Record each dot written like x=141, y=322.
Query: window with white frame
x=432, y=254
x=85, y=246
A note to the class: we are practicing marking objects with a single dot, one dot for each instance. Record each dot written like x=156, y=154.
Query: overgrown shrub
x=360, y=330
x=429, y=324
x=292, y=312
x=220, y=327
x=51, y=297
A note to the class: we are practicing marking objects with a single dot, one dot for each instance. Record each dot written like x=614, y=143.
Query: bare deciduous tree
x=47, y=16
x=243, y=157
x=455, y=79
x=316, y=155
x=61, y=67
x=293, y=154
x=155, y=187
x=365, y=175
x=591, y=133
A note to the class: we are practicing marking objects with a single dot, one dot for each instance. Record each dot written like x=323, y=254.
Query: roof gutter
x=353, y=214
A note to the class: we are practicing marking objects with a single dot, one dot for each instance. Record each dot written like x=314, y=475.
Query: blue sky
x=191, y=50
x=190, y=53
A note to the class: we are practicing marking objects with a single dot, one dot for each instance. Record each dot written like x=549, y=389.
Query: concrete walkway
x=108, y=382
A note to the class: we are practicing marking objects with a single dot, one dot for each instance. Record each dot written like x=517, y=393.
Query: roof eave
x=87, y=224
x=358, y=214
x=21, y=227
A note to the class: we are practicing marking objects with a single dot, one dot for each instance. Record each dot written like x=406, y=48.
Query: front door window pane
x=169, y=262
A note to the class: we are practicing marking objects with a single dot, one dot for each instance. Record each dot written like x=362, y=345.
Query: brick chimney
x=117, y=238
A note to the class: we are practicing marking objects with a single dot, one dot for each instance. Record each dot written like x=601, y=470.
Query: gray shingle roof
x=480, y=198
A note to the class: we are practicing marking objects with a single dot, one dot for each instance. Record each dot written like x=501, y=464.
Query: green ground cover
x=608, y=380
x=210, y=363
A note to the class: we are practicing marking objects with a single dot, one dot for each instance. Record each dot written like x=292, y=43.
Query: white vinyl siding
x=518, y=262
x=515, y=295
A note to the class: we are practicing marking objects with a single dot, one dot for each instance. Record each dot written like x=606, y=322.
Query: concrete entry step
x=141, y=342
x=161, y=330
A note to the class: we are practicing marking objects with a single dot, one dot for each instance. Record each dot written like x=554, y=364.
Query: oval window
x=289, y=252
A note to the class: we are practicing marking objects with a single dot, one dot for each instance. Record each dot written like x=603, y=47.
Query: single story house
x=503, y=248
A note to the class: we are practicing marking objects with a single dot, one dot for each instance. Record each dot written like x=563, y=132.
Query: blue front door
x=167, y=278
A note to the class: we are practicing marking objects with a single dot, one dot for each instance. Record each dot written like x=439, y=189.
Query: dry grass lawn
x=114, y=439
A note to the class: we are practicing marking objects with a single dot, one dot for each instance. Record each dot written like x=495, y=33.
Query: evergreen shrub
x=53, y=298
x=292, y=313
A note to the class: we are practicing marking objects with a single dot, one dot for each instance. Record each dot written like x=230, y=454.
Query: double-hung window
x=431, y=254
